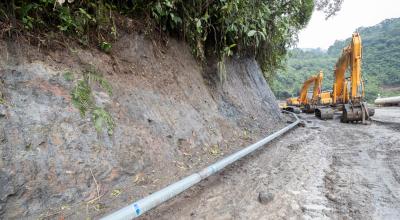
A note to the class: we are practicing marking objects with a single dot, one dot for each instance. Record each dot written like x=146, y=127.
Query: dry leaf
x=116, y=192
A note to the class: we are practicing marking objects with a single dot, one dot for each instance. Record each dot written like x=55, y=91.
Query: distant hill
x=380, y=68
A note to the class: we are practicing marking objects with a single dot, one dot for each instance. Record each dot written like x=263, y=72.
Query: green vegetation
x=264, y=29
x=88, y=22
x=2, y=99
x=83, y=100
x=68, y=76
x=380, y=67
x=105, y=46
x=102, y=118
x=82, y=97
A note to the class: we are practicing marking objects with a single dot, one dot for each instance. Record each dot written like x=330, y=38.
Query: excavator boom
x=304, y=89
x=350, y=59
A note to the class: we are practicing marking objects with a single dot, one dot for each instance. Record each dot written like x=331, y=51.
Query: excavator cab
x=292, y=105
x=325, y=98
x=294, y=101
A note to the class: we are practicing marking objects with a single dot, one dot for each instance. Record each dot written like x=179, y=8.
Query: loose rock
x=265, y=197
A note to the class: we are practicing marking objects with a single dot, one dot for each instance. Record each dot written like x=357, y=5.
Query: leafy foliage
x=380, y=67
x=224, y=27
x=102, y=118
x=329, y=7
x=68, y=76
x=82, y=97
x=105, y=46
x=91, y=75
x=78, y=19
x=261, y=28
x=83, y=100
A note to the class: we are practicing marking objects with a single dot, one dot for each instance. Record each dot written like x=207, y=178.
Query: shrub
x=83, y=100
x=264, y=29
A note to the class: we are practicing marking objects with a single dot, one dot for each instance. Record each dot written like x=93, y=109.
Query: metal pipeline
x=388, y=101
x=147, y=203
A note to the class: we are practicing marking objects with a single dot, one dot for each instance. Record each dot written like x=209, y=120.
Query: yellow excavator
x=306, y=103
x=292, y=105
x=348, y=93
x=318, y=97
x=294, y=101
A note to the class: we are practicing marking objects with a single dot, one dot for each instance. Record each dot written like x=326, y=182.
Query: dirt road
x=326, y=170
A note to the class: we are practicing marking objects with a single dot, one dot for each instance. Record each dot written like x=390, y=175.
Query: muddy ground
x=326, y=170
x=387, y=114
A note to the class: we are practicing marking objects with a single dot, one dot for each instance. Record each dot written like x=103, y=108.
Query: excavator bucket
x=356, y=113
x=324, y=113
x=308, y=108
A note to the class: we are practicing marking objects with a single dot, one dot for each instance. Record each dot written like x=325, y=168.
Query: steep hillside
x=169, y=118
x=381, y=62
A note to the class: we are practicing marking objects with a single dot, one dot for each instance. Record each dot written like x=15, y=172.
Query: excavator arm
x=339, y=84
x=357, y=88
x=304, y=89
x=317, y=87
x=317, y=80
x=351, y=57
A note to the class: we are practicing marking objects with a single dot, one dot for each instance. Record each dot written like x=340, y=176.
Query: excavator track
x=293, y=109
x=308, y=109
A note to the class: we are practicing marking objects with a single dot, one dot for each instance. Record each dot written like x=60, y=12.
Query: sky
x=353, y=14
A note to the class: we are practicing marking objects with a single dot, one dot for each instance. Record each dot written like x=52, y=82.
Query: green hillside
x=381, y=62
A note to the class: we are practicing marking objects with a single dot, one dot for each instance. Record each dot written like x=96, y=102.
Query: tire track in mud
x=326, y=170
x=362, y=182
x=282, y=168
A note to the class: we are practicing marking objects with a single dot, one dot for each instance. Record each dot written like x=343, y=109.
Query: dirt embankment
x=171, y=118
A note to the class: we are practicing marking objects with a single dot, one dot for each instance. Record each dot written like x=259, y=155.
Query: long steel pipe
x=139, y=207
x=388, y=101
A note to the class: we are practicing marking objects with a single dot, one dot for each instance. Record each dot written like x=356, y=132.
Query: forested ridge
x=380, y=66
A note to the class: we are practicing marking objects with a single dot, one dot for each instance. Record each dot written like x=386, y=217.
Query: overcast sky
x=354, y=13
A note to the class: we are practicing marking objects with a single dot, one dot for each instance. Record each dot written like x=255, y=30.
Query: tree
x=329, y=7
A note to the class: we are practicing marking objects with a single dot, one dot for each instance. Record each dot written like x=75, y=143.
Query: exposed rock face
x=170, y=120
